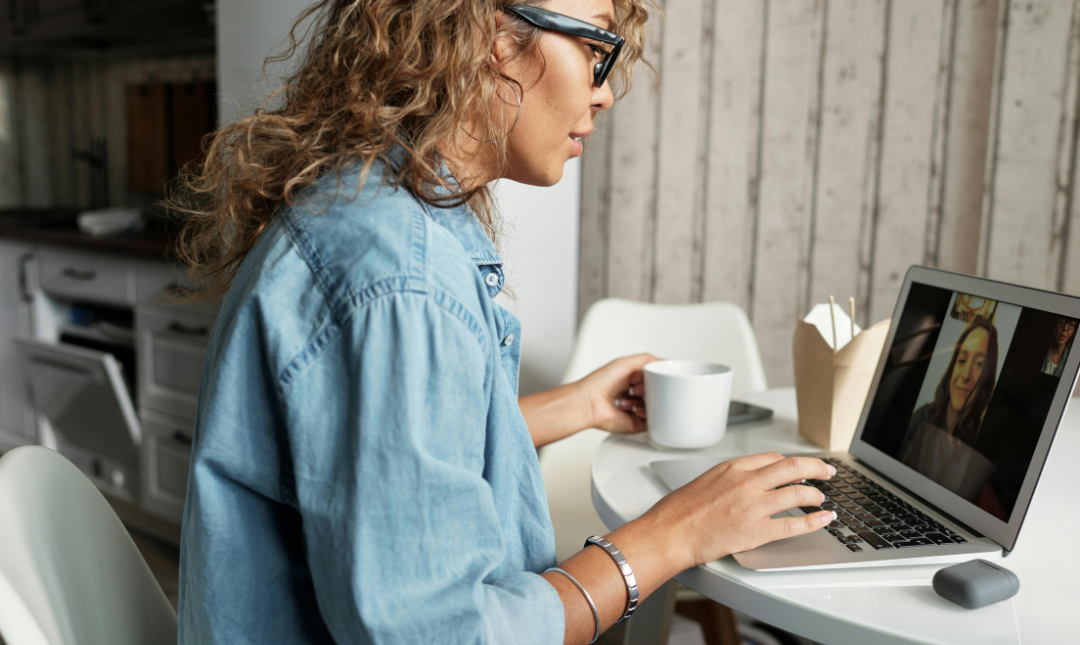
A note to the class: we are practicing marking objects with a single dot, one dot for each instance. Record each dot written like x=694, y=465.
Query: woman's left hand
x=615, y=394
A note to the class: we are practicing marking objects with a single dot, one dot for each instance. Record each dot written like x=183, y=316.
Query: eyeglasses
x=552, y=21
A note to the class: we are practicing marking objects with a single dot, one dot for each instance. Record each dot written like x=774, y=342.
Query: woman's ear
x=501, y=49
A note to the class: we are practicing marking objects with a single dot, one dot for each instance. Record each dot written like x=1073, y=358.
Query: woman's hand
x=611, y=398
x=724, y=511
x=728, y=509
x=615, y=395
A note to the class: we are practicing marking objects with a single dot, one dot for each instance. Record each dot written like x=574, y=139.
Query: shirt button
x=509, y=339
x=492, y=279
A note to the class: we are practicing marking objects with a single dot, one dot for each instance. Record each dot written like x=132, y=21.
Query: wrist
x=653, y=549
x=585, y=405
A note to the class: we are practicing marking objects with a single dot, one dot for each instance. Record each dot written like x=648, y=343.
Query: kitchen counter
x=59, y=228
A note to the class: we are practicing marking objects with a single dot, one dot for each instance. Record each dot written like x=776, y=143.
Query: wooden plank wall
x=52, y=106
x=1031, y=219
x=800, y=148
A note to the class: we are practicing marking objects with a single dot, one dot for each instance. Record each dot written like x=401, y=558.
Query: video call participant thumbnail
x=1060, y=343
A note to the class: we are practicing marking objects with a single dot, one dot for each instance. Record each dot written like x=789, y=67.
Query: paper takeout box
x=831, y=388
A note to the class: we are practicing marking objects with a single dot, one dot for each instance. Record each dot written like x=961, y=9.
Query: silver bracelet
x=624, y=567
x=592, y=606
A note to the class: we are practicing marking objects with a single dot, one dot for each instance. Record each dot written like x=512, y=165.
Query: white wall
x=247, y=32
x=539, y=241
x=539, y=246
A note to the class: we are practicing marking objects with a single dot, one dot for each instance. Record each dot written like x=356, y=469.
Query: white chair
x=717, y=331
x=69, y=572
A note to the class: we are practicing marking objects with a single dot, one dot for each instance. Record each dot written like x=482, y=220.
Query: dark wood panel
x=192, y=118
x=147, y=137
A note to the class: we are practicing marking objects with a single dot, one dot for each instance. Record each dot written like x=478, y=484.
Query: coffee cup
x=687, y=402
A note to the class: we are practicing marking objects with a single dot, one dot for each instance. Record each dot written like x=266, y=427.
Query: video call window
x=965, y=392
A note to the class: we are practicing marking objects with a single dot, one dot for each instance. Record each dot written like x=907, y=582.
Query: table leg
x=717, y=621
x=651, y=622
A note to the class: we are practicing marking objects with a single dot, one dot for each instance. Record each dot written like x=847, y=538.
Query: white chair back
x=718, y=332
x=69, y=572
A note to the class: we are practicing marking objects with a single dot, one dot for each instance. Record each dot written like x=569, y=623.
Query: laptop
x=972, y=383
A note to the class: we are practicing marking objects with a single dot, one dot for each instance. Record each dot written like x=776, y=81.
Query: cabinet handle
x=79, y=274
x=24, y=290
x=181, y=328
x=180, y=437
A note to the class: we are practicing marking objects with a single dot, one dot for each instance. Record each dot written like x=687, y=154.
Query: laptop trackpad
x=677, y=473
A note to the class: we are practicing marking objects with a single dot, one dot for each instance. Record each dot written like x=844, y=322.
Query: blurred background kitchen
x=100, y=103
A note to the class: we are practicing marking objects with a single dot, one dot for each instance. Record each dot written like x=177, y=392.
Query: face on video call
x=1064, y=331
x=966, y=375
x=961, y=374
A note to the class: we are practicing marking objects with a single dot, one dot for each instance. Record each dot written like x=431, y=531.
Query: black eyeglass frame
x=562, y=23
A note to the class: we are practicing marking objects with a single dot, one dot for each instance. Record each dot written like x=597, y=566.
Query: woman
x=362, y=469
x=941, y=434
x=1054, y=363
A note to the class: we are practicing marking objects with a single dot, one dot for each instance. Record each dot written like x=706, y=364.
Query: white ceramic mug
x=687, y=402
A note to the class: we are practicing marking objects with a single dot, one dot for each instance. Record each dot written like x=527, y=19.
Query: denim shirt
x=361, y=471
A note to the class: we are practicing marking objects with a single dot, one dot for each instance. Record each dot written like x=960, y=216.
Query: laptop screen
x=966, y=389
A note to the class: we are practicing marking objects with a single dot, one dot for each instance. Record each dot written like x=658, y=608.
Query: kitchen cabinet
x=17, y=283
x=95, y=364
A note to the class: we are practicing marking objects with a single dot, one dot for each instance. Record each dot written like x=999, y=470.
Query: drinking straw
x=832, y=314
x=851, y=310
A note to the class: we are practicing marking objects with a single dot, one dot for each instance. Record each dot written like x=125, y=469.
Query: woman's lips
x=578, y=148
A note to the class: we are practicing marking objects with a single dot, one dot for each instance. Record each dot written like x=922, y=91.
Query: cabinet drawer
x=166, y=457
x=153, y=278
x=86, y=277
x=171, y=347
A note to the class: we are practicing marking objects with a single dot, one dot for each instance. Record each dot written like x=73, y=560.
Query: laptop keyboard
x=867, y=514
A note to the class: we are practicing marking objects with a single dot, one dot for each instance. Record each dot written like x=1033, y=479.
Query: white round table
x=871, y=605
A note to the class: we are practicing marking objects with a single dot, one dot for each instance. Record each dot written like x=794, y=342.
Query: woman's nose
x=603, y=98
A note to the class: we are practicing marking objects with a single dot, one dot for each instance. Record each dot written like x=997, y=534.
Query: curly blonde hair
x=372, y=74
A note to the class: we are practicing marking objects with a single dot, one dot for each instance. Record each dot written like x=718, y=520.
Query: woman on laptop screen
x=941, y=434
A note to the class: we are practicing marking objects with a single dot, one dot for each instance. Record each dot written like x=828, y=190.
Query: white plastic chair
x=69, y=572
x=717, y=331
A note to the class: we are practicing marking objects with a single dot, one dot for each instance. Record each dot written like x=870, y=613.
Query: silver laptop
x=972, y=382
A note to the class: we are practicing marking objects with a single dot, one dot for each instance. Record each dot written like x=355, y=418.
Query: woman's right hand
x=728, y=509
x=724, y=511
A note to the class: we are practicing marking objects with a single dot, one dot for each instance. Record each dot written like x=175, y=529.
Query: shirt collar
x=459, y=220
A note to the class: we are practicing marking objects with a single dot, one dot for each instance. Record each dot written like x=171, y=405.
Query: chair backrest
x=69, y=572
x=718, y=332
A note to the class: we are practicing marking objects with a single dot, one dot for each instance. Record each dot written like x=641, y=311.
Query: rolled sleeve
x=401, y=530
